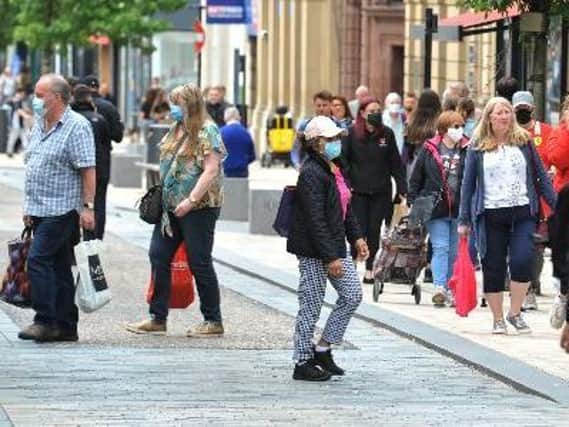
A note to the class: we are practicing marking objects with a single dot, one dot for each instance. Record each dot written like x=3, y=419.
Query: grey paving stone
x=390, y=380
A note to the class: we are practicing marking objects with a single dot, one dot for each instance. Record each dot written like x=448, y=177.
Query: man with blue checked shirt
x=59, y=196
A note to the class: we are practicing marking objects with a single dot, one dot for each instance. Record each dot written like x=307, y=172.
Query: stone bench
x=151, y=172
x=263, y=206
x=235, y=199
x=124, y=172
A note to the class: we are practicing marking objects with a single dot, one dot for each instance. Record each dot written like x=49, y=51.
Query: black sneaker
x=325, y=360
x=310, y=371
x=39, y=333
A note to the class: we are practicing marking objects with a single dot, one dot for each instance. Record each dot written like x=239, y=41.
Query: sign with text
x=227, y=12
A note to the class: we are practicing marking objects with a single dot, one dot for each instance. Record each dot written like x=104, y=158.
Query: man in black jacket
x=216, y=104
x=105, y=108
x=83, y=104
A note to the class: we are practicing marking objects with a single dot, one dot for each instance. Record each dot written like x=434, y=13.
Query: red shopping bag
x=182, y=291
x=463, y=280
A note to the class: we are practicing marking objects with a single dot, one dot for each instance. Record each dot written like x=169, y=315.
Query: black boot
x=324, y=359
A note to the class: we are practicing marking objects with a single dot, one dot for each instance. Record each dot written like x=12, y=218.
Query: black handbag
x=283, y=219
x=150, y=205
x=422, y=210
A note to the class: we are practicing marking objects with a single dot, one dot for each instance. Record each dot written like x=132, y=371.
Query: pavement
x=413, y=364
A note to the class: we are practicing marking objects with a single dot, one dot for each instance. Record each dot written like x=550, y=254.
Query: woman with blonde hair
x=190, y=171
x=503, y=181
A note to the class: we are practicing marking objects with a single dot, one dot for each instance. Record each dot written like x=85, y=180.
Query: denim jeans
x=49, y=270
x=444, y=239
x=196, y=230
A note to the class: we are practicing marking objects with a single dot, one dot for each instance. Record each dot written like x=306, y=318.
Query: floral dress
x=181, y=170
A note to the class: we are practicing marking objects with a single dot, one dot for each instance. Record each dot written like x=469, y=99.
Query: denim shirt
x=472, y=209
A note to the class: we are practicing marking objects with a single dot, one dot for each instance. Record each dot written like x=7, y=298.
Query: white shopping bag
x=92, y=291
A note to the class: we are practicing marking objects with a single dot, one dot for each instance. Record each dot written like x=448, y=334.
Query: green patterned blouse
x=180, y=172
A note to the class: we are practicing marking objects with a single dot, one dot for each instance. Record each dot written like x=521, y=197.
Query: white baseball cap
x=522, y=98
x=322, y=126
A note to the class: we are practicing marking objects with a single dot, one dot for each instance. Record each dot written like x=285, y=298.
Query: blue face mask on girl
x=176, y=113
x=333, y=149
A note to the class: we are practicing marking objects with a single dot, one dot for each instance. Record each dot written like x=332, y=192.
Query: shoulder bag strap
x=174, y=157
x=439, y=161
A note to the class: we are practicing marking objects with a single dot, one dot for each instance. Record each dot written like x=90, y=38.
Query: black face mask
x=523, y=116
x=375, y=119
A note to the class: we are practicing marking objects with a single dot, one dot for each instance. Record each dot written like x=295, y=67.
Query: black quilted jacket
x=317, y=229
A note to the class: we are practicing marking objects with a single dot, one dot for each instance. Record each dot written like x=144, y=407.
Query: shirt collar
x=60, y=122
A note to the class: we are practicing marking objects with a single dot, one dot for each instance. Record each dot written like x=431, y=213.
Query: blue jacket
x=240, y=150
x=471, y=211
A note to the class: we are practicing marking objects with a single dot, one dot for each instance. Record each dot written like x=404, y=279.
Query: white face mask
x=455, y=134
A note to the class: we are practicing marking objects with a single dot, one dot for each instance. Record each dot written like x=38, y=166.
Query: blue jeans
x=196, y=230
x=49, y=270
x=444, y=239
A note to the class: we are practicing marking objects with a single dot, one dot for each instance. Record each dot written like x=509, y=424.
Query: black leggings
x=371, y=211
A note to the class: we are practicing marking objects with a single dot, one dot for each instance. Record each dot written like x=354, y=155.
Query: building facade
x=473, y=60
x=304, y=46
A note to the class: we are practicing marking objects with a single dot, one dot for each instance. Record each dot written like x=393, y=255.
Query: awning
x=476, y=19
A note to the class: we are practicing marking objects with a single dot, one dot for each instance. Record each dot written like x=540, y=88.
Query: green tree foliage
x=45, y=24
x=7, y=12
x=551, y=7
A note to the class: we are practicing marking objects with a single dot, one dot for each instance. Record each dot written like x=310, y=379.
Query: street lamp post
x=431, y=27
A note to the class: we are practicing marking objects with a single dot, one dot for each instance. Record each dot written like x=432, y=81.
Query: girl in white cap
x=321, y=222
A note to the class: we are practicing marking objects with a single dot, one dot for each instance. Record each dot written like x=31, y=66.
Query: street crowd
x=492, y=174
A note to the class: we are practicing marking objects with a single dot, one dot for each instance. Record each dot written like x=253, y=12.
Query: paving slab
x=390, y=380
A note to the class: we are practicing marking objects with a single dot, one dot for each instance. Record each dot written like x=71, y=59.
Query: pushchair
x=402, y=256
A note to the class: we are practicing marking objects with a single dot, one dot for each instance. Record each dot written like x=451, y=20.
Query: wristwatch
x=193, y=200
x=90, y=206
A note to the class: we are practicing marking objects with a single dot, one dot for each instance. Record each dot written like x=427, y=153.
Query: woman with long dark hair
x=371, y=159
x=421, y=127
x=422, y=124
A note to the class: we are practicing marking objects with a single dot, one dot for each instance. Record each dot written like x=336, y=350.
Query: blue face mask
x=333, y=149
x=38, y=106
x=176, y=112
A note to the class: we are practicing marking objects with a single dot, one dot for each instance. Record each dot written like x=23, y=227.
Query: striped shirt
x=53, y=161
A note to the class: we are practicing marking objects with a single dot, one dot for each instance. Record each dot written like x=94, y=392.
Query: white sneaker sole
x=139, y=332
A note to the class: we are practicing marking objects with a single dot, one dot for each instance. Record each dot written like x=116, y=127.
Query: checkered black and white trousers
x=311, y=292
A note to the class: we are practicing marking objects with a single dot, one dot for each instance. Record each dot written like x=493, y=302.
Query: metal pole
x=564, y=57
x=236, y=70
x=515, y=46
x=500, y=51
x=200, y=69
x=428, y=48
